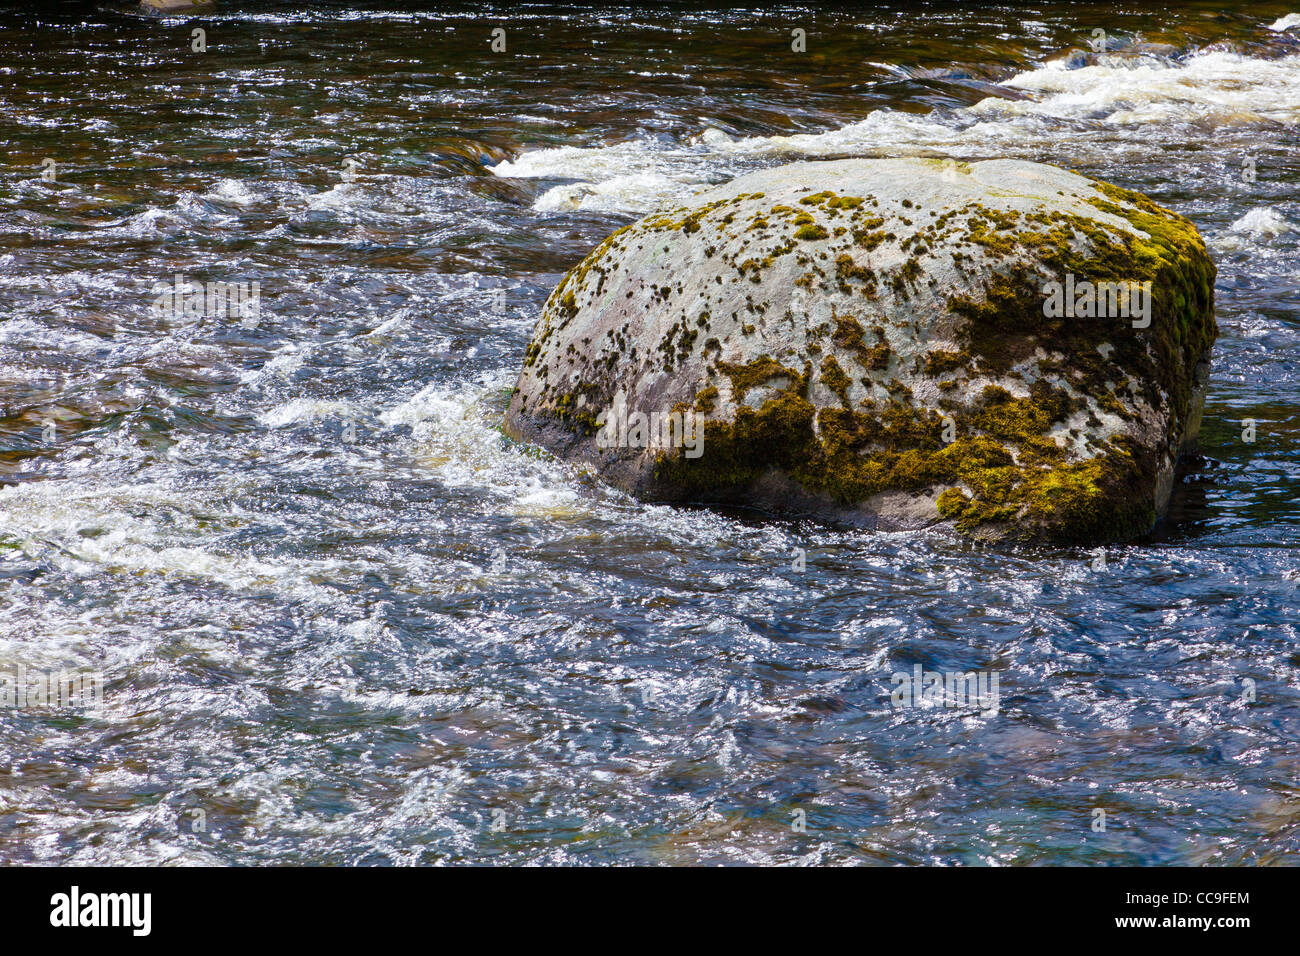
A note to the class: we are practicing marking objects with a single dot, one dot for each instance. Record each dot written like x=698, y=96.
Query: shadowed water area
x=341, y=614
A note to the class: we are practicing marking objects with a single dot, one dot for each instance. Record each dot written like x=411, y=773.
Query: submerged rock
x=1004, y=346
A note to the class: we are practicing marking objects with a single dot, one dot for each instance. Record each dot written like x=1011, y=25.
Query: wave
x=1212, y=88
x=1264, y=221
x=1064, y=101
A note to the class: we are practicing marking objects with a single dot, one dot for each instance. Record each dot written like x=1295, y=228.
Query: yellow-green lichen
x=1008, y=469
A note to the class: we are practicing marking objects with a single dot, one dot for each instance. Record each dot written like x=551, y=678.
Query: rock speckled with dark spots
x=865, y=341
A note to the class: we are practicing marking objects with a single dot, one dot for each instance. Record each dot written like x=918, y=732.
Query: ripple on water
x=339, y=612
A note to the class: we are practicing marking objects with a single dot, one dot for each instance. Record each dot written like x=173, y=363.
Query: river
x=341, y=619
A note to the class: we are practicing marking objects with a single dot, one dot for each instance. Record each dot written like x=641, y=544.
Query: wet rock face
x=1004, y=346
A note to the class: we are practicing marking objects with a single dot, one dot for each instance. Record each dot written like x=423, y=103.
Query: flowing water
x=340, y=618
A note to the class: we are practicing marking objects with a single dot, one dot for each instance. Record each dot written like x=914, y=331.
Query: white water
x=1097, y=109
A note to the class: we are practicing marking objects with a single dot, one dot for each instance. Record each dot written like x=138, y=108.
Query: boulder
x=1005, y=347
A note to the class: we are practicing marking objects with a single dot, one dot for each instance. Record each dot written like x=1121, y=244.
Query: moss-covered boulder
x=1008, y=347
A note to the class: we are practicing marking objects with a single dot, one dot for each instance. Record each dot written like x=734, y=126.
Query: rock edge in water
x=893, y=343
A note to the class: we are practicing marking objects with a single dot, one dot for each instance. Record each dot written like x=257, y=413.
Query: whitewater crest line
x=1118, y=94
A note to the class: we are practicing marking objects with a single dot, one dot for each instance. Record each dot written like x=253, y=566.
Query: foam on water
x=1263, y=221
x=1212, y=88
x=352, y=651
x=234, y=191
x=84, y=528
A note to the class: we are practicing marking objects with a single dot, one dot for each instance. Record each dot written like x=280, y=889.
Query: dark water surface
x=345, y=618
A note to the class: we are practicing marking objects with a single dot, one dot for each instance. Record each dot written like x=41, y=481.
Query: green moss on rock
x=1015, y=464
x=811, y=231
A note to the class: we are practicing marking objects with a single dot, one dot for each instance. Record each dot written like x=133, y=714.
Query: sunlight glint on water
x=339, y=611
